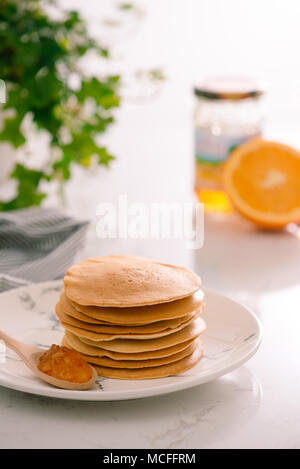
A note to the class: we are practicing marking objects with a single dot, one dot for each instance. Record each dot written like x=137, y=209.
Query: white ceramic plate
x=27, y=313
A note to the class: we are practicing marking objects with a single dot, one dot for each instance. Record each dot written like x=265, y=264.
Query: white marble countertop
x=256, y=406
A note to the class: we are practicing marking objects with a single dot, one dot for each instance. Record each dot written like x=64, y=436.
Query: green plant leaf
x=104, y=157
x=11, y=132
x=28, y=193
x=102, y=91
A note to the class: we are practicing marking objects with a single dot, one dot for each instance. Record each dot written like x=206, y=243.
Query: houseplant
x=40, y=63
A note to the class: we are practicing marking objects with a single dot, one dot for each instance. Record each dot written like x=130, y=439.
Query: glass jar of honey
x=228, y=112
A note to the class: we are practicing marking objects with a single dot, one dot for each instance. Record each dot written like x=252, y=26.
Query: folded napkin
x=36, y=245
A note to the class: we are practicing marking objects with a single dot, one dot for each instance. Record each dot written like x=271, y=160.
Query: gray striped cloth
x=36, y=245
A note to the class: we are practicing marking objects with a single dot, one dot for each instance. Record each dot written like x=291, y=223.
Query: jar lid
x=228, y=88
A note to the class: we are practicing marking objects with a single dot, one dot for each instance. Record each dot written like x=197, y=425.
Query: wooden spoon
x=31, y=355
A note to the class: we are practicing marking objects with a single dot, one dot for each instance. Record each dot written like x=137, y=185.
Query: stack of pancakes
x=131, y=317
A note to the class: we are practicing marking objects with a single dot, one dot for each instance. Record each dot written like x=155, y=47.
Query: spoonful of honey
x=59, y=366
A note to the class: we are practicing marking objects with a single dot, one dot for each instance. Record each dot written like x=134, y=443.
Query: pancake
x=136, y=315
x=99, y=337
x=132, y=316
x=162, y=371
x=124, y=281
x=193, y=330
x=153, y=328
x=104, y=361
x=68, y=309
x=74, y=342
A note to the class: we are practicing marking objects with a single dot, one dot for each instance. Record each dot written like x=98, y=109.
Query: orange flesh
x=276, y=184
x=262, y=180
x=63, y=363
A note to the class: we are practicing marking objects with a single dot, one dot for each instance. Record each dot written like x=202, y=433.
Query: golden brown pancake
x=99, y=336
x=168, y=325
x=68, y=309
x=124, y=281
x=132, y=316
x=136, y=315
x=104, y=361
x=169, y=369
x=189, y=332
x=74, y=342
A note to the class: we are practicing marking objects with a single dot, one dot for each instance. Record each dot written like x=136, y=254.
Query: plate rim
x=140, y=393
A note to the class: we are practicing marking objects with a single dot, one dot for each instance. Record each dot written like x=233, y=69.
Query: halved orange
x=262, y=179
